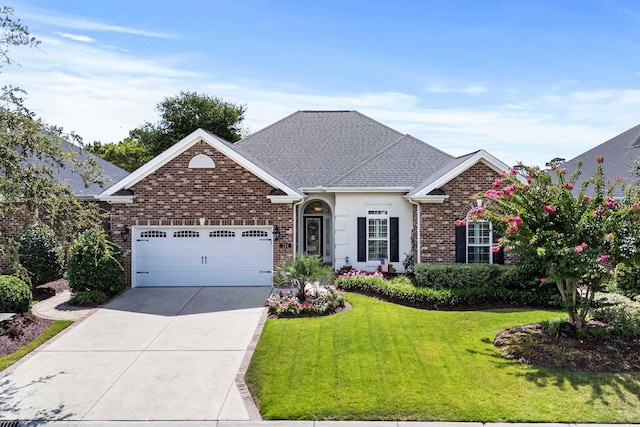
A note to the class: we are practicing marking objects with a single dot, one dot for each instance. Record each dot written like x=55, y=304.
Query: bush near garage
x=95, y=267
x=15, y=295
x=39, y=253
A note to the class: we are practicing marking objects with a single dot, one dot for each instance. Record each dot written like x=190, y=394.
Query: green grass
x=51, y=331
x=385, y=361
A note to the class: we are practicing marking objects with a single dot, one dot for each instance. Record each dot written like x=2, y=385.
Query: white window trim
x=381, y=213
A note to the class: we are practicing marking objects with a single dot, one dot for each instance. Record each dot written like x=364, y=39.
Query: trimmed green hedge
x=402, y=291
x=15, y=295
x=464, y=276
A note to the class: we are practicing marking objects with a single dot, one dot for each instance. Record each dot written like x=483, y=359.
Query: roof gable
x=187, y=142
x=453, y=169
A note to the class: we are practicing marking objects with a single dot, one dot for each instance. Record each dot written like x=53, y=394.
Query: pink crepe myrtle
x=549, y=208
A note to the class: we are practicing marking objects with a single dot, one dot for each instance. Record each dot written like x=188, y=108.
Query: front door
x=313, y=235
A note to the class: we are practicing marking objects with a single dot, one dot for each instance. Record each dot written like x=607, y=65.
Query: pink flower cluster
x=512, y=223
x=581, y=248
x=461, y=223
x=568, y=185
x=549, y=208
x=610, y=203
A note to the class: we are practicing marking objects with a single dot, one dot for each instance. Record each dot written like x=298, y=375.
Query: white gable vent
x=201, y=161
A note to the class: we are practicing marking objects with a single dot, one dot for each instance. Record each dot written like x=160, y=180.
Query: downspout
x=418, y=237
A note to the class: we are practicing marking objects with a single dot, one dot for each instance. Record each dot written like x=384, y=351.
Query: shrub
x=626, y=278
x=463, y=276
x=95, y=264
x=39, y=253
x=89, y=297
x=300, y=270
x=620, y=313
x=402, y=291
x=15, y=295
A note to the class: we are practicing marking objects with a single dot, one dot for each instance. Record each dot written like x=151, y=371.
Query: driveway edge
x=247, y=398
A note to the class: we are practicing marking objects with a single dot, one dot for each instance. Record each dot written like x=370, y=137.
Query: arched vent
x=201, y=161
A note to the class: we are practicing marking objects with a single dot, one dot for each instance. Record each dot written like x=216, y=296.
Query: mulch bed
x=21, y=329
x=533, y=345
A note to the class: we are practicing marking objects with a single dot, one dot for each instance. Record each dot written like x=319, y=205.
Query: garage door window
x=153, y=233
x=186, y=233
x=255, y=233
x=222, y=233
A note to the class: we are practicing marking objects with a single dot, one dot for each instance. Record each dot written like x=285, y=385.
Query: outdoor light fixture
x=124, y=233
x=276, y=233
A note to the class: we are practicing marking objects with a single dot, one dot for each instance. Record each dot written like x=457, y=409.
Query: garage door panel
x=202, y=256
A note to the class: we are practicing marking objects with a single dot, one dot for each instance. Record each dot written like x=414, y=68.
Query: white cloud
x=81, y=23
x=75, y=37
x=101, y=94
x=469, y=90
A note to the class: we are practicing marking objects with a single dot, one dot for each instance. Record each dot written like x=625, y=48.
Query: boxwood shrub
x=15, y=295
x=464, y=276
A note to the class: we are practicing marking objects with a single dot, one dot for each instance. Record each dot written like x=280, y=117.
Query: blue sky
x=524, y=80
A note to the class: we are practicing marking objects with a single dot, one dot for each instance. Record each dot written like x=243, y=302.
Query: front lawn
x=385, y=361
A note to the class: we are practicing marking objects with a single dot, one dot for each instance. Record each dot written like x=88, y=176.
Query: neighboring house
x=621, y=155
x=335, y=184
x=110, y=173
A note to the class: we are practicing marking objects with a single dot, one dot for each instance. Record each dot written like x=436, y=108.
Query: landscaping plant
x=300, y=271
x=15, y=295
x=39, y=253
x=95, y=267
x=576, y=238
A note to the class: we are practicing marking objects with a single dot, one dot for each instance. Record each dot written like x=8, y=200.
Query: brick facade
x=225, y=195
x=437, y=220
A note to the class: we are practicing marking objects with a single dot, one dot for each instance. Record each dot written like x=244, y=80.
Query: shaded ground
x=24, y=328
x=533, y=345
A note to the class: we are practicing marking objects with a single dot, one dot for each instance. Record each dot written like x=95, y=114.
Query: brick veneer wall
x=437, y=242
x=225, y=195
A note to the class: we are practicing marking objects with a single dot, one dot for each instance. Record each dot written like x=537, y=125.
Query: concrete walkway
x=149, y=354
x=56, y=308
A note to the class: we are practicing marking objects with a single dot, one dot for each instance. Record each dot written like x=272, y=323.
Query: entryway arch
x=317, y=230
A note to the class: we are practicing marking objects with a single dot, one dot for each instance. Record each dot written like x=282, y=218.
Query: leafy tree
x=128, y=154
x=39, y=253
x=573, y=238
x=179, y=116
x=31, y=151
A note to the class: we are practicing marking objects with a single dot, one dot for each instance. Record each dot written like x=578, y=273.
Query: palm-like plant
x=300, y=270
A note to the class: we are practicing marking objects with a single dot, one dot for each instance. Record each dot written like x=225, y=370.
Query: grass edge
x=55, y=328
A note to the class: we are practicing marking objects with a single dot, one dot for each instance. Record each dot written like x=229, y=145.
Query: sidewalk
x=308, y=424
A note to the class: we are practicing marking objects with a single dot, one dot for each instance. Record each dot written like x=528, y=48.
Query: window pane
x=377, y=250
x=478, y=254
x=377, y=228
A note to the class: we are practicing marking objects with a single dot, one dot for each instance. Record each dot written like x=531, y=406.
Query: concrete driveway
x=149, y=354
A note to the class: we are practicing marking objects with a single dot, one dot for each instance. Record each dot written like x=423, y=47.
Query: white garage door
x=202, y=256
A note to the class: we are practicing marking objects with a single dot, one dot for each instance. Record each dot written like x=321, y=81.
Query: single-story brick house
x=336, y=184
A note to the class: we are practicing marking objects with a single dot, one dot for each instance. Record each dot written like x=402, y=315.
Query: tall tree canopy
x=31, y=151
x=179, y=116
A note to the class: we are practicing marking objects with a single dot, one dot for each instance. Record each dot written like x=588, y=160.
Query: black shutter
x=362, y=239
x=394, y=241
x=498, y=257
x=461, y=244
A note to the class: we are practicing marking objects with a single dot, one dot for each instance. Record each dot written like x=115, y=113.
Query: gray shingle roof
x=451, y=164
x=341, y=149
x=111, y=172
x=620, y=155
